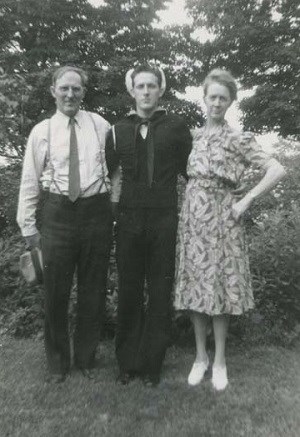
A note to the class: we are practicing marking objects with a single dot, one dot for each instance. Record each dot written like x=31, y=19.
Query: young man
x=66, y=155
x=149, y=148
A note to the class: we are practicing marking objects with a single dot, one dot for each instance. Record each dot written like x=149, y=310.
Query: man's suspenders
x=48, y=158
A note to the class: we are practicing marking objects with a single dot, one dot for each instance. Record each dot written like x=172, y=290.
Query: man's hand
x=33, y=241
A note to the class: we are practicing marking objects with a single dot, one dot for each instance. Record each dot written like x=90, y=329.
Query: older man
x=65, y=156
x=151, y=148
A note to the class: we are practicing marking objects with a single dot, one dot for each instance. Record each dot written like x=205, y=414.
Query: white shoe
x=219, y=377
x=197, y=373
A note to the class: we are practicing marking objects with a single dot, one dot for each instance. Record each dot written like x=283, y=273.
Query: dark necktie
x=74, y=175
x=150, y=149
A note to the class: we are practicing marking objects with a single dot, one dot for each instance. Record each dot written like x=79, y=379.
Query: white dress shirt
x=52, y=172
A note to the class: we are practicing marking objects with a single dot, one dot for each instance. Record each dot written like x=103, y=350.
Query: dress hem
x=211, y=313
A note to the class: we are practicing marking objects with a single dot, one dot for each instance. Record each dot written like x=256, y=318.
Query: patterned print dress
x=212, y=274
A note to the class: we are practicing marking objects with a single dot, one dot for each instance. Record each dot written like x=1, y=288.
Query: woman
x=213, y=277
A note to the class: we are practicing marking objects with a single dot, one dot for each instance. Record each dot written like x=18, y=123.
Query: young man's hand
x=33, y=241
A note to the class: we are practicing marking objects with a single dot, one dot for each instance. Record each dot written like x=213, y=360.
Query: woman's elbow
x=280, y=170
x=276, y=169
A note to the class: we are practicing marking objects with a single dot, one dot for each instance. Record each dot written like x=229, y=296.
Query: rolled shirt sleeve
x=114, y=167
x=33, y=165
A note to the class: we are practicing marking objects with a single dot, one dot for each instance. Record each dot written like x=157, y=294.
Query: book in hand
x=31, y=265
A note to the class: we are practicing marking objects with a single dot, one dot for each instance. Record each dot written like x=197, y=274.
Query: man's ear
x=52, y=91
x=161, y=92
x=131, y=92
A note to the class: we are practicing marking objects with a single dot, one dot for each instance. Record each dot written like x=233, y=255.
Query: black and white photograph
x=149, y=218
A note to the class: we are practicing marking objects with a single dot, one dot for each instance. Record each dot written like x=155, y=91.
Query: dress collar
x=216, y=131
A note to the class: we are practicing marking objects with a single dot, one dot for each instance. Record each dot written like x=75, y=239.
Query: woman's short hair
x=62, y=70
x=146, y=69
x=223, y=77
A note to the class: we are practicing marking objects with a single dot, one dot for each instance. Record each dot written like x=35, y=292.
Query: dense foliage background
x=257, y=40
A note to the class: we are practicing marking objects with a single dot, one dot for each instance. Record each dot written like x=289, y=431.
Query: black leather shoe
x=56, y=378
x=151, y=380
x=124, y=378
x=88, y=373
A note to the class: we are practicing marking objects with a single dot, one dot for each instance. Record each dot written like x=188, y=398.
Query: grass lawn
x=263, y=398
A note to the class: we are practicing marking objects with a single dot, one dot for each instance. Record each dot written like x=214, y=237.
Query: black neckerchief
x=138, y=122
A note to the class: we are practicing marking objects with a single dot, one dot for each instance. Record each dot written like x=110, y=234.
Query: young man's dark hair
x=145, y=68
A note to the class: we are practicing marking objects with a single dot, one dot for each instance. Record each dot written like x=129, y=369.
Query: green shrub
x=275, y=267
x=20, y=304
x=10, y=182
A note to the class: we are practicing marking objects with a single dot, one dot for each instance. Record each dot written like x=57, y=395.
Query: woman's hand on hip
x=240, y=207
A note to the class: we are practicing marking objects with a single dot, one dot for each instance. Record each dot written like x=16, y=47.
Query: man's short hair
x=223, y=77
x=145, y=68
x=62, y=70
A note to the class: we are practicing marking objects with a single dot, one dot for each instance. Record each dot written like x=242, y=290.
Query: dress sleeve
x=253, y=153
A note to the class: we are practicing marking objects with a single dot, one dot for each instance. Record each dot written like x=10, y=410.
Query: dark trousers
x=145, y=255
x=75, y=236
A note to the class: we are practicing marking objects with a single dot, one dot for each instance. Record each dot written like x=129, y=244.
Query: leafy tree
x=37, y=36
x=259, y=41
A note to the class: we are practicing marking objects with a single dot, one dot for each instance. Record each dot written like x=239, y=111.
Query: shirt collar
x=65, y=119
